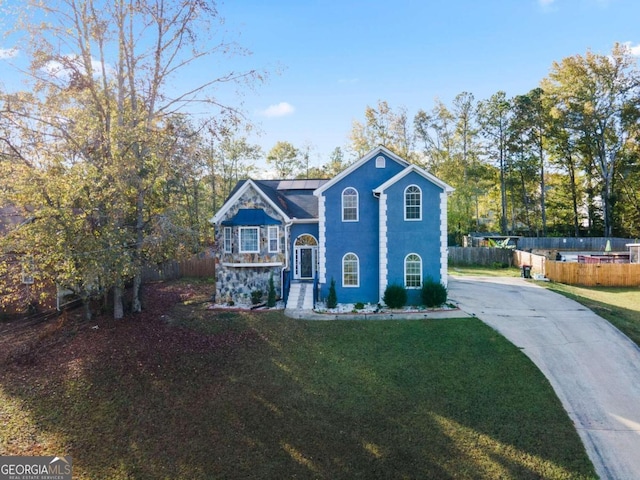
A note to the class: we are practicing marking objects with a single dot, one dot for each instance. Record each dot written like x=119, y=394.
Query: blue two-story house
x=381, y=221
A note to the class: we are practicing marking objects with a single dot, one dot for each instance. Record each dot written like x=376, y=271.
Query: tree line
x=561, y=159
x=112, y=171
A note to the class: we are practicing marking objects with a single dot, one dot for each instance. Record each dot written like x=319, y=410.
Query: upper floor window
x=249, y=239
x=380, y=161
x=274, y=239
x=412, y=203
x=349, y=205
x=350, y=270
x=413, y=271
x=227, y=240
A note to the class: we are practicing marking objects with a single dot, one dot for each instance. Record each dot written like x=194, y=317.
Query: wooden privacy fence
x=480, y=256
x=193, y=267
x=583, y=274
x=594, y=274
x=536, y=262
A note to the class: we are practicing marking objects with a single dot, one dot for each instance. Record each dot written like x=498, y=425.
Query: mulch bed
x=137, y=340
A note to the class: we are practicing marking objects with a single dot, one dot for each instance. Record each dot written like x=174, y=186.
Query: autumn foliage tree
x=91, y=145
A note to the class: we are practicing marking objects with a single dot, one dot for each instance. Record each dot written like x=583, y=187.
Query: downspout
x=287, y=227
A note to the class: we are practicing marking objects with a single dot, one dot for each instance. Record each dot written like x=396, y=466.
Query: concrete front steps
x=300, y=296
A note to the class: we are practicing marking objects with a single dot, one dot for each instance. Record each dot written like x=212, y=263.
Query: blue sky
x=328, y=60
x=337, y=57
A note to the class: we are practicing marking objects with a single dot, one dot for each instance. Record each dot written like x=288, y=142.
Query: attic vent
x=380, y=161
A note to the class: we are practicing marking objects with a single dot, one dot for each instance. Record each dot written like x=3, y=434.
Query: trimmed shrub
x=271, y=298
x=256, y=297
x=358, y=306
x=395, y=296
x=332, y=299
x=433, y=293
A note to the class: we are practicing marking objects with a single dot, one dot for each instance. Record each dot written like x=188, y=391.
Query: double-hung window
x=350, y=270
x=274, y=239
x=227, y=240
x=350, y=205
x=249, y=239
x=412, y=203
x=413, y=271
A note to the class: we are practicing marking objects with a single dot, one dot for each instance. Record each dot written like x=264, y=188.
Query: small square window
x=249, y=239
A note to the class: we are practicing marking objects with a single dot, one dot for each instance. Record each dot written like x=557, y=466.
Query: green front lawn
x=232, y=395
x=477, y=270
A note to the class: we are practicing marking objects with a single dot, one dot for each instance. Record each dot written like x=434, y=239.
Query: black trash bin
x=526, y=271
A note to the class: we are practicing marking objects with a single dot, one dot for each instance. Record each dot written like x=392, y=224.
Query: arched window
x=412, y=271
x=350, y=270
x=350, y=205
x=412, y=203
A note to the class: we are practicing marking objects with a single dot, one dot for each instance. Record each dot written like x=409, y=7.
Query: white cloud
x=279, y=110
x=8, y=53
x=72, y=62
x=634, y=50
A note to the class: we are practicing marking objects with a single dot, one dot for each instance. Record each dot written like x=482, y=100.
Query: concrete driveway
x=593, y=368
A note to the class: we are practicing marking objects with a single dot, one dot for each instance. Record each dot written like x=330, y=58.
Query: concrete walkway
x=593, y=368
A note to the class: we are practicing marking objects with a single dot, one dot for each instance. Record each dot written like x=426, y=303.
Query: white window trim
x=240, y=230
x=357, y=271
x=271, y=229
x=227, y=241
x=357, y=204
x=380, y=161
x=405, y=272
x=405, y=204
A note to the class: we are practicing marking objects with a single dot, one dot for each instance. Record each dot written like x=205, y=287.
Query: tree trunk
x=136, y=305
x=86, y=306
x=118, y=308
x=543, y=207
x=574, y=196
x=503, y=195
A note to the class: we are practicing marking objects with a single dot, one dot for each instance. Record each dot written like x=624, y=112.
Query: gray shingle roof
x=294, y=197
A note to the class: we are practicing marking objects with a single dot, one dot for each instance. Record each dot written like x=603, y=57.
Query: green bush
x=433, y=293
x=256, y=297
x=358, y=306
x=395, y=296
x=332, y=299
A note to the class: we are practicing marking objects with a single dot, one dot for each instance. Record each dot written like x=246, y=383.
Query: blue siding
x=361, y=237
x=421, y=237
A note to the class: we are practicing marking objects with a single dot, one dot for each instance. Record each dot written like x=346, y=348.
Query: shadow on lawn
x=260, y=396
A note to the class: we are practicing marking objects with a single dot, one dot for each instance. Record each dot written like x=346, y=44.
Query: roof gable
x=237, y=194
x=292, y=199
x=414, y=168
x=365, y=158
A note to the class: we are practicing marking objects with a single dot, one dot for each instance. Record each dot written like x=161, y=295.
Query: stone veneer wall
x=236, y=283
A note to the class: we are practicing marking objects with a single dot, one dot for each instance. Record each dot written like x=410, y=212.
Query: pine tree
x=271, y=298
x=332, y=299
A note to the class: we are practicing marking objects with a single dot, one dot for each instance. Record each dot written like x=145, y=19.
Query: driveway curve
x=593, y=367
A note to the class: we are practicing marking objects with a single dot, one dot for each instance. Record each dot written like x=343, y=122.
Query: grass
x=476, y=270
x=620, y=306
x=204, y=394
